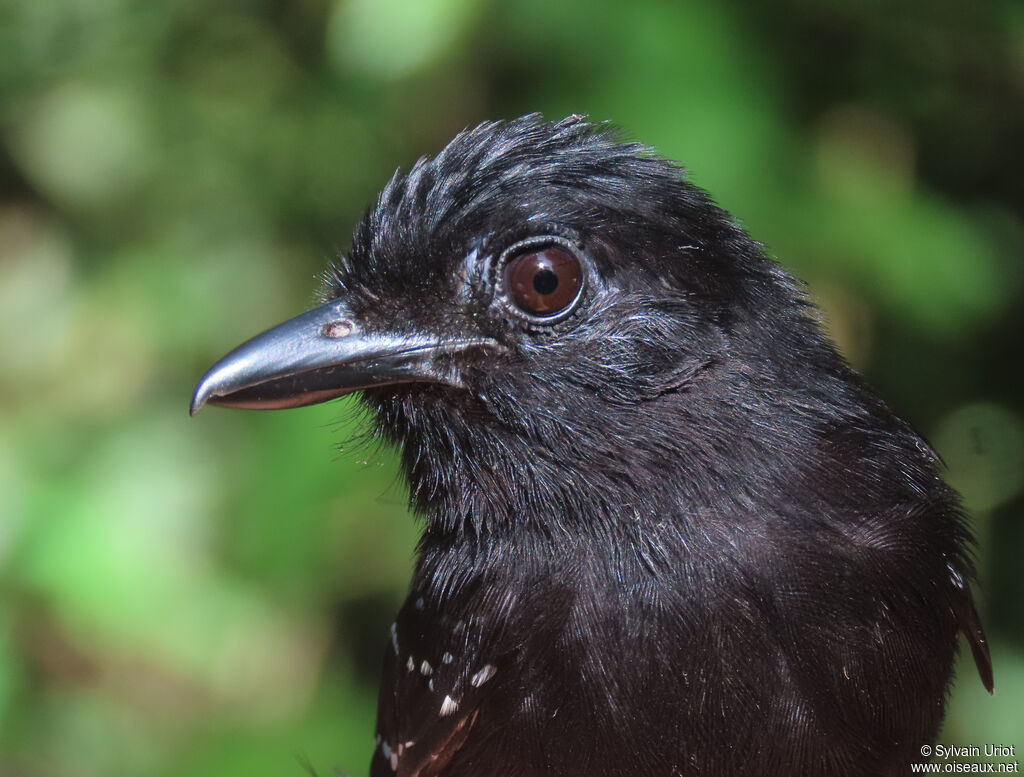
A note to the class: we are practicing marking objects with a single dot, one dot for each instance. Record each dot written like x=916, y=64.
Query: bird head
x=549, y=322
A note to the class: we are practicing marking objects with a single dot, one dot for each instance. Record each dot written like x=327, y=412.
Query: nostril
x=337, y=329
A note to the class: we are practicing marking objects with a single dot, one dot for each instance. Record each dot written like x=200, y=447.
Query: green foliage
x=208, y=596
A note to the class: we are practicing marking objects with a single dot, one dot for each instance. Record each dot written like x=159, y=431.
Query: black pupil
x=545, y=282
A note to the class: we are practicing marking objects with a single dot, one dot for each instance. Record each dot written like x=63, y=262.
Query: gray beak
x=325, y=353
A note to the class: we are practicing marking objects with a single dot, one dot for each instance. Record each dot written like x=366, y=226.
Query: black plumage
x=667, y=530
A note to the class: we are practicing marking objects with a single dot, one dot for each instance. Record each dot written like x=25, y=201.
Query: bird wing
x=435, y=676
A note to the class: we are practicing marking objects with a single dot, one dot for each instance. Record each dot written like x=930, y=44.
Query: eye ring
x=541, y=280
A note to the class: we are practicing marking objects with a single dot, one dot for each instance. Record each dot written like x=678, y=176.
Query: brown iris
x=544, y=282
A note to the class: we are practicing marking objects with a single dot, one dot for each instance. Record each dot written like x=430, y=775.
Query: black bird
x=667, y=529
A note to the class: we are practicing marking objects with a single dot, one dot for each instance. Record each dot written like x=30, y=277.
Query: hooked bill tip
x=200, y=397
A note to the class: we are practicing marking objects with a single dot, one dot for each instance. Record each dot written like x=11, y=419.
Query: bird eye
x=544, y=282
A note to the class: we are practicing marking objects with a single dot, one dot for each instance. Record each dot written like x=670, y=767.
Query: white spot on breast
x=449, y=706
x=426, y=669
x=447, y=658
x=483, y=675
x=410, y=743
x=394, y=637
x=394, y=762
x=430, y=684
x=410, y=664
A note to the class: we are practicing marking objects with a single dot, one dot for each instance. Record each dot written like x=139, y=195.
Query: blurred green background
x=211, y=596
